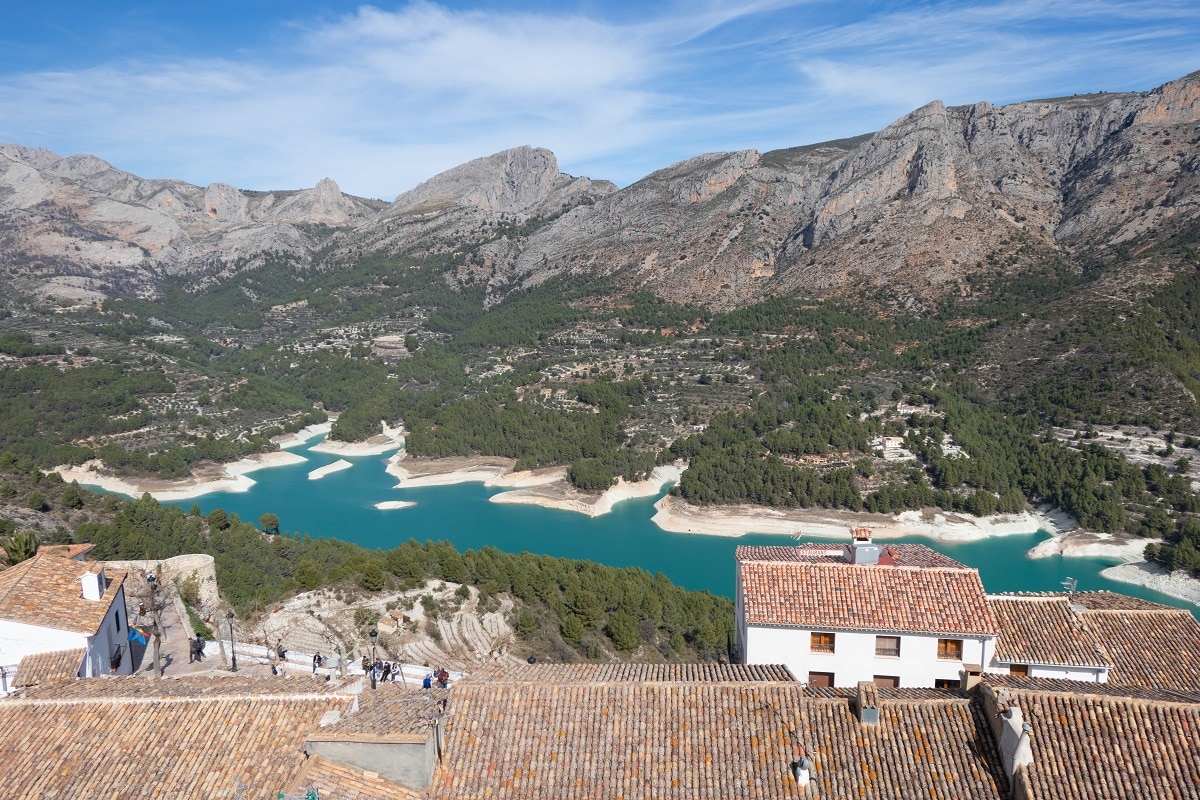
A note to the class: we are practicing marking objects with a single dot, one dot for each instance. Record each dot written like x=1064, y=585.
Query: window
x=821, y=642
x=946, y=683
x=950, y=649
x=117, y=621
x=887, y=646
x=1019, y=669
x=887, y=681
x=824, y=679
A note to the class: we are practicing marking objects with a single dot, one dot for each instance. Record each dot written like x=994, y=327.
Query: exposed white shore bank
x=389, y=505
x=675, y=515
x=289, y=440
x=1152, y=576
x=561, y=495
x=336, y=466
x=230, y=478
x=391, y=439
x=413, y=473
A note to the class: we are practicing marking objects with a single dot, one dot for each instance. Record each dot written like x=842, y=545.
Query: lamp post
x=232, y=648
x=374, y=637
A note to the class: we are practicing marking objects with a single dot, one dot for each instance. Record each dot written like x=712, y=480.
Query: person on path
x=316, y=661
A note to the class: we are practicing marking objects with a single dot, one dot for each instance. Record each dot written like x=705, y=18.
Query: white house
x=51, y=604
x=901, y=615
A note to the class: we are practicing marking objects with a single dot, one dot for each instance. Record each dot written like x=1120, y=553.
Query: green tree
x=371, y=577
x=269, y=523
x=37, y=501
x=623, y=630
x=572, y=630
x=71, y=497
x=308, y=574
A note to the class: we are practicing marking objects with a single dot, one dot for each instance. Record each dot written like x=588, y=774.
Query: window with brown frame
x=824, y=679
x=946, y=683
x=821, y=642
x=1019, y=669
x=887, y=646
x=950, y=649
x=887, y=681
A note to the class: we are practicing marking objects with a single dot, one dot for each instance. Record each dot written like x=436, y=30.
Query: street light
x=232, y=648
x=374, y=636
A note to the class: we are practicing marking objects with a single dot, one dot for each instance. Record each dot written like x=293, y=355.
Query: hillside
x=1026, y=277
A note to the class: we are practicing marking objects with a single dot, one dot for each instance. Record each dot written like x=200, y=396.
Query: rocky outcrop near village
x=918, y=211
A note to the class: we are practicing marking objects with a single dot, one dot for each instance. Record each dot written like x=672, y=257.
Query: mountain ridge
x=908, y=215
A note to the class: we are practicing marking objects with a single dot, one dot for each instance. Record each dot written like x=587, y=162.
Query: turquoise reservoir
x=341, y=505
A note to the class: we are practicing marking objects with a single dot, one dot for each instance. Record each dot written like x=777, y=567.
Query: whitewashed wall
x=854, y=658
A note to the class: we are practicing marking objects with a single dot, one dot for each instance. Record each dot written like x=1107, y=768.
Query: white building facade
x=900, y=616
x=51, y=604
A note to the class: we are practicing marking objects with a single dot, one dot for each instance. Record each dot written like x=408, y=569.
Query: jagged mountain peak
x=912, y=211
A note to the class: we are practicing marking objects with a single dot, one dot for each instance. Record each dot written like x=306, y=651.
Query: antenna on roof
x=1069, y=584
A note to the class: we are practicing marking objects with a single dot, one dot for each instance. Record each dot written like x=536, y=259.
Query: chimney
x=1015, y=749
x=866, y=703
x=93, y=583
x=972, y=675
x=861, y=549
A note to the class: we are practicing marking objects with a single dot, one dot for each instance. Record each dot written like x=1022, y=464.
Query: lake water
x=341, y=505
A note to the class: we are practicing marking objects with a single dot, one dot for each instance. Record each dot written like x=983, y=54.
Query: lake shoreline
x=549, y=488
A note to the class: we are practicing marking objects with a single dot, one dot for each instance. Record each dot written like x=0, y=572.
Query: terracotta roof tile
x=905, y=555
x=681, y=739
x=391, y=709
x=1109, y=748
x=1088, y=688
x=341, y=782
x=1044, y=630
x=1156, y=647
x=45, y=590
x=157, y=742
x=49, y=668
x=605, y=673
x=834, y=594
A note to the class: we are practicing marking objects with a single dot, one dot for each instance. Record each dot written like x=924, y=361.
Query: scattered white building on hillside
x=901, y=615
x=50, y=604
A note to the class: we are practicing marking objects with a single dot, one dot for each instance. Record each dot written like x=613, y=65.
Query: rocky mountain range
x=923, y=210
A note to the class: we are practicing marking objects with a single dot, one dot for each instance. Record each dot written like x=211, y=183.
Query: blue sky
x=272, y=95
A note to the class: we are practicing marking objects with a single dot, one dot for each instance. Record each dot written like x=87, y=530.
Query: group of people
x=196, y=649
x=384, y=670
x=439, y=677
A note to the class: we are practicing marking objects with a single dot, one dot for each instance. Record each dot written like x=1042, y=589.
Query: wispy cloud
x=382, y=99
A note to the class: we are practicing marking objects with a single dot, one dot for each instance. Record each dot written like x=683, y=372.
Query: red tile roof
x=342, y=782
x=698, y=739
x=1042, y=629
x=156, y=740
x=813, y=591
x=49, y=668
x=1108, y=748
x=45, y=590
x=626, y=673
x=1158, y=648
x=905, y=555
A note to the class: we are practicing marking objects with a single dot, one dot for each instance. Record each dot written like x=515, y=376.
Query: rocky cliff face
x=78, y=229
x=912, y=213
x=905, y=215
